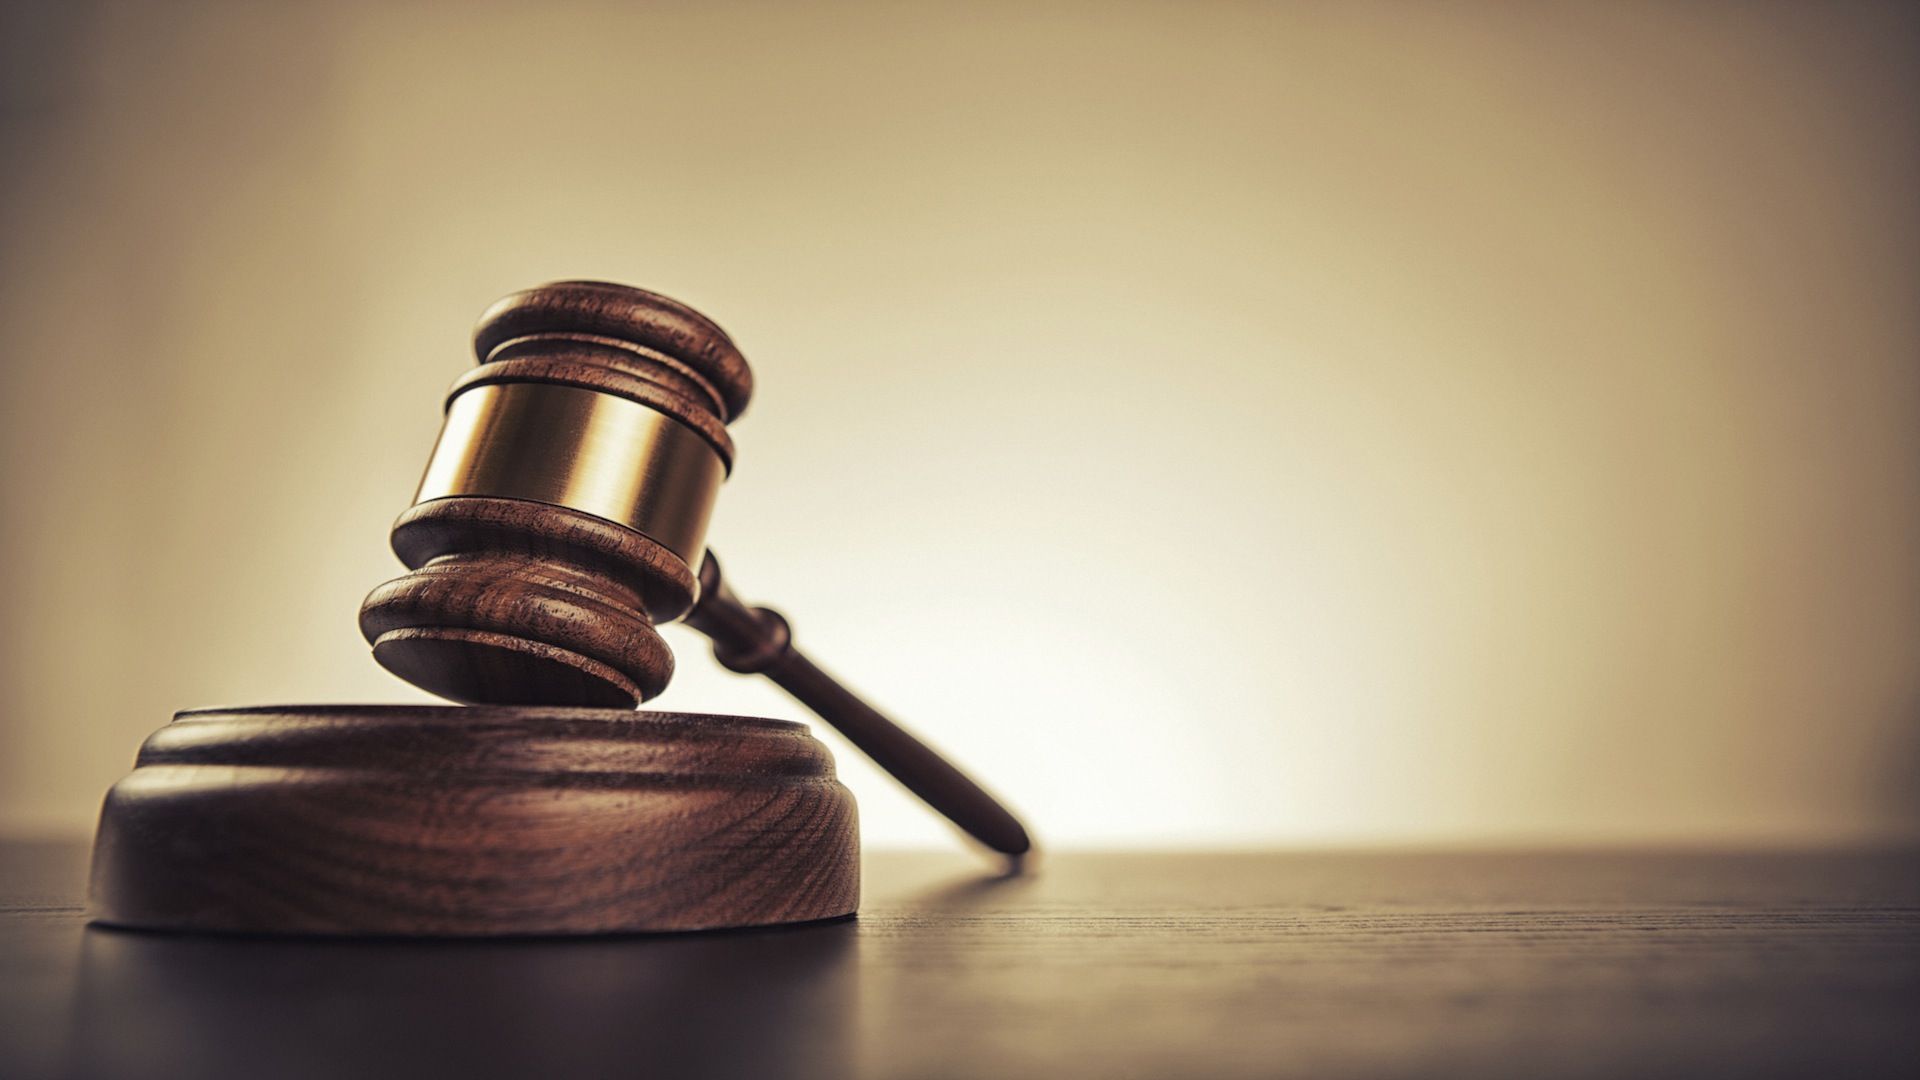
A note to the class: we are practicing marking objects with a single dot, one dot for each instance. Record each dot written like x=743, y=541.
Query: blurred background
x=1213, y=424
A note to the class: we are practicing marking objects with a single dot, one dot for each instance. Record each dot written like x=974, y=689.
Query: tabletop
x=1325, y=964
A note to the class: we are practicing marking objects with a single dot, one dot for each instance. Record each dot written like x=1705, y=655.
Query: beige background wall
x=1214, y=424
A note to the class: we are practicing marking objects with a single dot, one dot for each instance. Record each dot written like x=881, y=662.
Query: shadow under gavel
x=741, y=1003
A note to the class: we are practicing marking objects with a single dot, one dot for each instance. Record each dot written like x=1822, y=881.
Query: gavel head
x=564, y=511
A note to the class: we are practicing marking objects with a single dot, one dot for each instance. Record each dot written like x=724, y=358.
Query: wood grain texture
x=653, y=337
x=519, y=603
x=1334, y=965
x=482, y=821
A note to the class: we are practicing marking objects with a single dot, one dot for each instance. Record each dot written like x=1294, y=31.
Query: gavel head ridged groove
x=564, y=511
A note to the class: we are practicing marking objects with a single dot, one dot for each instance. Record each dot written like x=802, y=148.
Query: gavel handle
x=757, y=641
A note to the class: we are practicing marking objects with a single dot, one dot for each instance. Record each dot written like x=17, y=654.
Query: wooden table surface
x=1602, y=964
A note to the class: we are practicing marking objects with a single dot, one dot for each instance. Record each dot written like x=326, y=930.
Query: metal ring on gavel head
x=606, y=455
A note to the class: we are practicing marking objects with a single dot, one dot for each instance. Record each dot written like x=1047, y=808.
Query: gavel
x=563, y=517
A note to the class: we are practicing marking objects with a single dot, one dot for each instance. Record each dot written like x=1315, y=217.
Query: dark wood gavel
x=563, y=517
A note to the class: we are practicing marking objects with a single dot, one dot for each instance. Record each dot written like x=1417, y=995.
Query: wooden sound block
x=439, y=820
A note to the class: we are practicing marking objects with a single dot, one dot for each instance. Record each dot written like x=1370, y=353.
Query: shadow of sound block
x=474, y=821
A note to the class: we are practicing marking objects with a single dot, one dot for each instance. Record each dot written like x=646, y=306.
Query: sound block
x=432, y=820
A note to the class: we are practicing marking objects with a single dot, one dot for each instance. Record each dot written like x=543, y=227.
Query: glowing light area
x=1215, y=425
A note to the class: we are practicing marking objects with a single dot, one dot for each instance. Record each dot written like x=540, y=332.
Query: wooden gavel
x=563, y=517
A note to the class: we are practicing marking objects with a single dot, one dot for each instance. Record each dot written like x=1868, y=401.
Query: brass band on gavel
x=565, y=446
